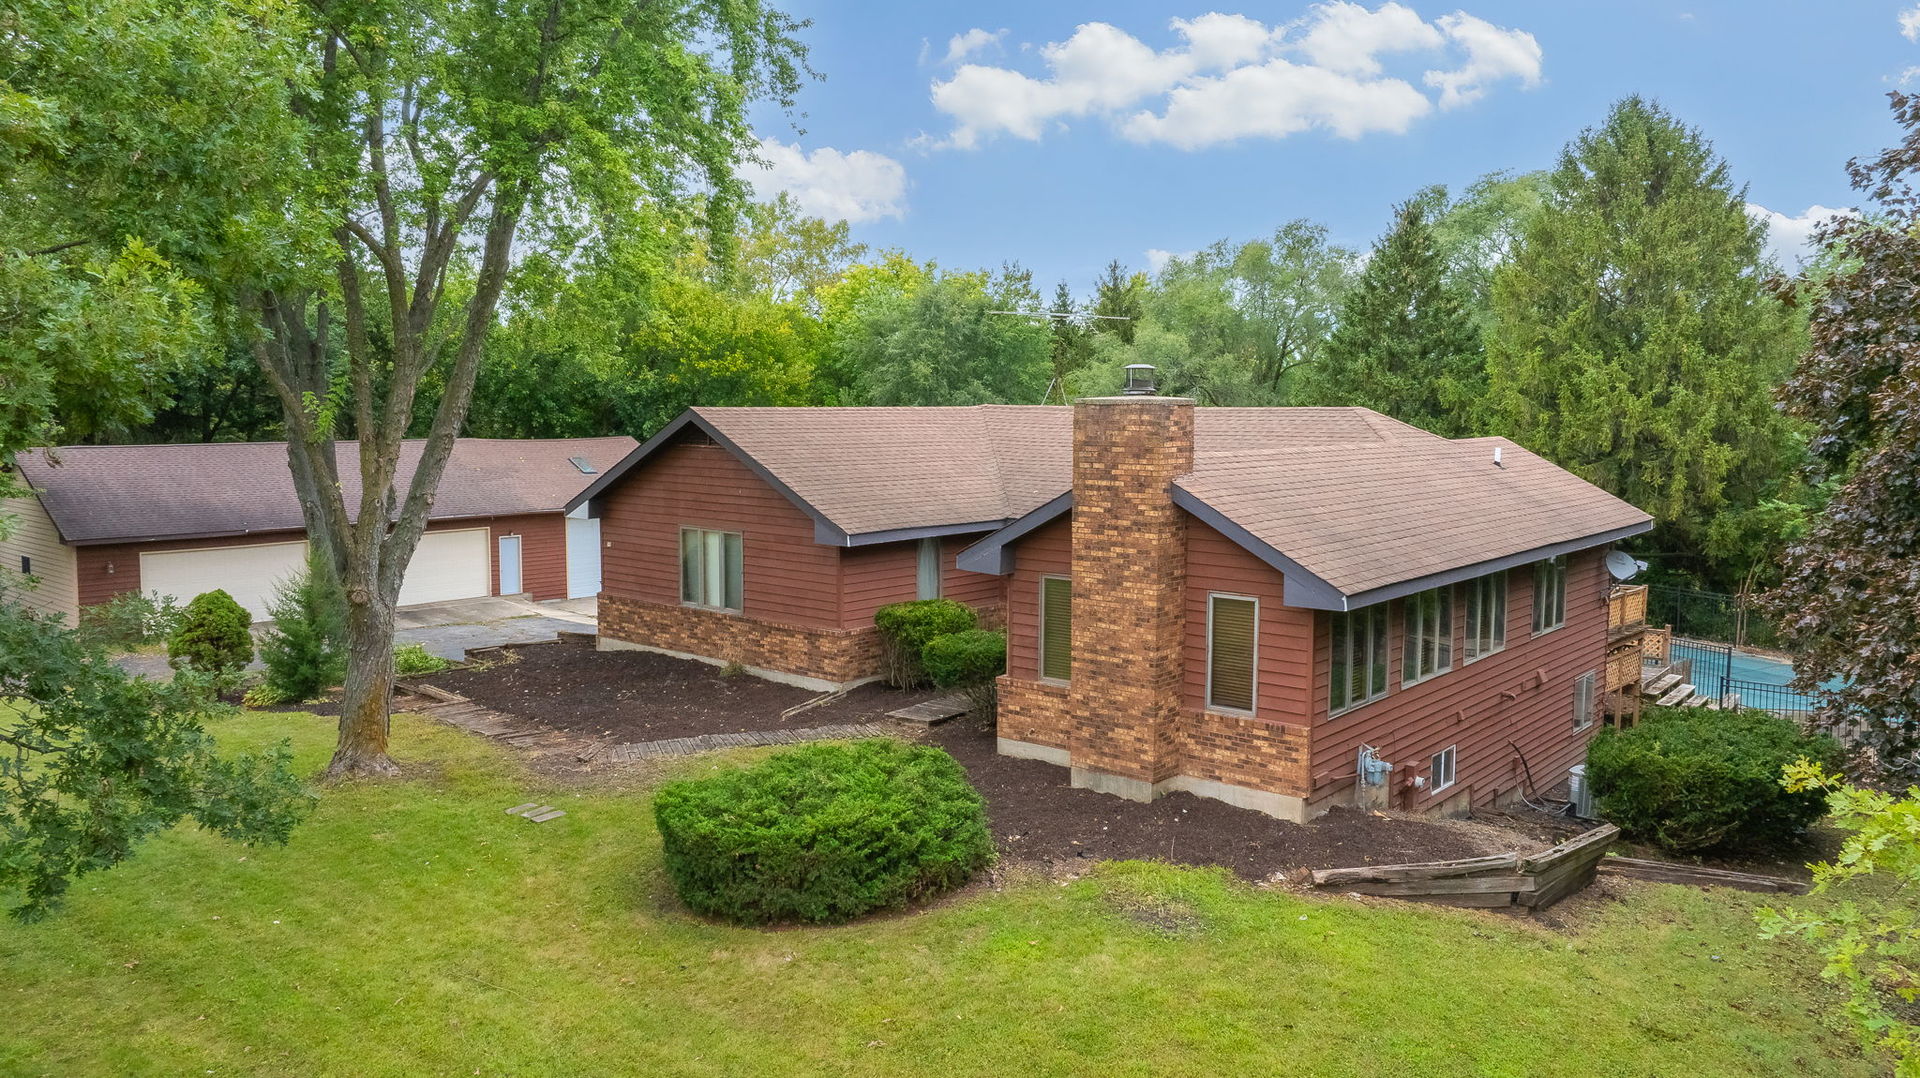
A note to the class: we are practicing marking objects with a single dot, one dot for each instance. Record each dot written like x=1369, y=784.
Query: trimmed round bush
x=823, y=833
x=1689, y=779
x=905, y=629
x=214, y=635
x=970, y=662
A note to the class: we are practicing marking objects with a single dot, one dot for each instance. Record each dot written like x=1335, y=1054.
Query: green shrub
x=130, y=619
x=905, y=629
x=214, y=635
x=1691, y=779
x=414, y=660
x=304, y=650
x=969, y=662
x=823, y=833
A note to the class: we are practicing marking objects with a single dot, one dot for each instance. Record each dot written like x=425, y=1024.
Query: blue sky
x=1064, y=135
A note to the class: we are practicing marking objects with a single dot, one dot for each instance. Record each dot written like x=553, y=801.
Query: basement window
x=1486, y=615
x=1233, y=623
x=1359, y=667
x=1429, y=639
x=1440, y=769
x=1056, y=628
x=1549, y=594
x=927, y=575
x=710, y=569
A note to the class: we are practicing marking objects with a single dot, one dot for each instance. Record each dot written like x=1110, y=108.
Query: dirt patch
x=1037, y=816
x=629, y=696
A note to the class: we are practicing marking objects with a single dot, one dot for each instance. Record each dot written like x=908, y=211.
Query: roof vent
x=586, y=466
x=1139, y=380
x=1496, y=457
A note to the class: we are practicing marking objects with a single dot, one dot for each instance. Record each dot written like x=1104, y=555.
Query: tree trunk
x=364, y=715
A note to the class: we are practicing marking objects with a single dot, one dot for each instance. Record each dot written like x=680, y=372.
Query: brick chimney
x=1129, y=591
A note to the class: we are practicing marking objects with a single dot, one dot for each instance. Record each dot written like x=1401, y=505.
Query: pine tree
x=1634, y=340
x=304, y=652
x=1405, y=343
x=1071, y=346
x=1120, y=296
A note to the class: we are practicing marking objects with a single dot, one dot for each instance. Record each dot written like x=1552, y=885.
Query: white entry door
x=510, y=565
x=248, y=573
x=448, y=565
x=583, y=557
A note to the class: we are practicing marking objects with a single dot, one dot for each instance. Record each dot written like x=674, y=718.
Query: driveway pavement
x=450, y=630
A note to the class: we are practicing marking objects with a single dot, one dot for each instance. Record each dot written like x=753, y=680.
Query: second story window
x=1359, y=667
x=1549, y=594
x=710, y=569
x=1429, y=638
x=1056, y=628
x=1486, y=615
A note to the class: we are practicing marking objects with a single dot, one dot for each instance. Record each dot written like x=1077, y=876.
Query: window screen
x=1359, y=666
x=1486, y=615
x=1231, y=651
x=1056, y=627
x=1428, y=648
x=1549, y=594
x=710, y=570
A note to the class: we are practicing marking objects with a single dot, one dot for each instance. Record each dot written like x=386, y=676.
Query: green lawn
x=413, y=928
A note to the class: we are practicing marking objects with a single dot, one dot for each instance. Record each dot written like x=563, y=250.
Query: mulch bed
x=628, y=696
x=1037, y=816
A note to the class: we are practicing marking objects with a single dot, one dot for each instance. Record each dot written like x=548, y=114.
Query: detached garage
x=180, y=520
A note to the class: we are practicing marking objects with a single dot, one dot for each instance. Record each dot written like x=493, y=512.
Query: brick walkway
x=687, y=746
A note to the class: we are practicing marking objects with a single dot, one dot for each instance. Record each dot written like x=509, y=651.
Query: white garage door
x=248, y=573
x=448, y=565
x=583, y=557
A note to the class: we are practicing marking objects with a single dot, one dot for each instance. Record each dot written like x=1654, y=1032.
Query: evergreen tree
x=1405, y=343
x=1634, y=340
x=1071, y=346
x=304, y=652
x=1119, y=295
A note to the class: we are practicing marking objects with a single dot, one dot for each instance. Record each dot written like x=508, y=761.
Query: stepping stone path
x=687, y=746
x=537, y=812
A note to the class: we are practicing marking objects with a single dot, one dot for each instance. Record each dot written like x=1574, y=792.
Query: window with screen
x=1583, y=687
x=1232, y=651
x=1056, y=628
x=1359, y=658
x=1441, y=768
x=710, y=569
x=1428, y=648
x=1486, y=615
x=1549, y=594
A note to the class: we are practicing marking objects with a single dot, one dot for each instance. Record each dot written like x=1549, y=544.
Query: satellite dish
x=1624, y=566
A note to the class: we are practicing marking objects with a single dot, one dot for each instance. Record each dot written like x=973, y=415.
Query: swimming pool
x=1762, y=680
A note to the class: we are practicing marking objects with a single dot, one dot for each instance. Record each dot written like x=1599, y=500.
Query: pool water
x=1745, y=666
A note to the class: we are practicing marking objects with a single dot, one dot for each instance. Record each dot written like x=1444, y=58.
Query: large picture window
x=1233, y=621
x=1056, y=628
x=1486, y=615
x=1359, y=668
x=710, y=571
x=1429, y=639
x=1549, y=594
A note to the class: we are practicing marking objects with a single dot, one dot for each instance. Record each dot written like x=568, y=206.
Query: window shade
x=1231, y=653
x=1056, y=628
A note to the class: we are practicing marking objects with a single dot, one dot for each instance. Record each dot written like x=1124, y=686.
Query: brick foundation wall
x=1250, y=753
x=1129, y=584
x=1034, y=712
x=835, y=655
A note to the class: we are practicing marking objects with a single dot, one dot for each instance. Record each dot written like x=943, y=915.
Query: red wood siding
x=1522, y=695
x=1046, y=551
x=1283, y=689
x=543, y=551
x=786, y=576
x=873, y=576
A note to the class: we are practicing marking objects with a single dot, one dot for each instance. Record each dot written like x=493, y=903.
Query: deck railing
x=1626, y=609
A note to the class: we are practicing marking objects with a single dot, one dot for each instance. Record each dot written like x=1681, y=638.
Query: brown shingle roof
x=1361, y=517
x=879, y=470
x=119, y=493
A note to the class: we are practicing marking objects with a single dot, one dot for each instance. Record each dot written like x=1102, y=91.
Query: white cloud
x=1788, y=238
x=1910, y=23
x=961, y=46
x=1157, y=259
x=856, y=186
x=1494, y=54
x=1231, y=76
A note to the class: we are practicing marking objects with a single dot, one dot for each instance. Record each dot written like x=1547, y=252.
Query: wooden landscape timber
x=1669, y=872
x=1533, y=881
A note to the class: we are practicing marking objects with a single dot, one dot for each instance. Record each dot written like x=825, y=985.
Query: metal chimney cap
x=1139, y=380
